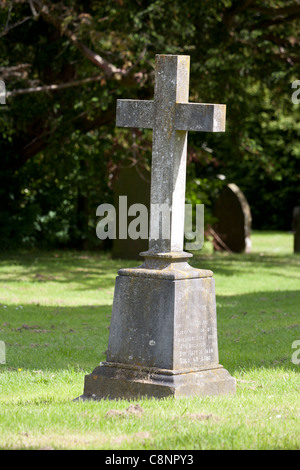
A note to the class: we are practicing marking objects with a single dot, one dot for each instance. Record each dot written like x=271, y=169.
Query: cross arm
x=200, y=117
x=135, y=113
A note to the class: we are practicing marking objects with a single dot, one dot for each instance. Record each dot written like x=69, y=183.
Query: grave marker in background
x=296, y=229
x=234, y=220
x=134, y=183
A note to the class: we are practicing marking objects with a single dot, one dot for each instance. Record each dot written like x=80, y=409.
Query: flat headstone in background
x=234, y=220
x=132, y=181
x=296, y=229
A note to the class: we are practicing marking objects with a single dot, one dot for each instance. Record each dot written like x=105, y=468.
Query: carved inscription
x=195, y=342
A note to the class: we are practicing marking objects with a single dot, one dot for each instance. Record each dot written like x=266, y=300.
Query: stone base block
x=163, y=334
x=119, y=381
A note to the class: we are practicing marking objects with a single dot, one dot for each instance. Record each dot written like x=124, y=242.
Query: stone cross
x=171, y=116
x=163, y=331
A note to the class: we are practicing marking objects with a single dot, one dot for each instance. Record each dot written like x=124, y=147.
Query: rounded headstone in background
x=296, y=229
x=234, y=219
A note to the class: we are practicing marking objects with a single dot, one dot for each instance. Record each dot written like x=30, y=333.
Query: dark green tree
x=65, y=64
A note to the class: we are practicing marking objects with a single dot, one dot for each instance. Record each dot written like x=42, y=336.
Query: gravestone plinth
x=234, y=220
x=163, y=333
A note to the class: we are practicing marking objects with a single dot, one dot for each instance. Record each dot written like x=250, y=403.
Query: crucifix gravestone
x=163, y=332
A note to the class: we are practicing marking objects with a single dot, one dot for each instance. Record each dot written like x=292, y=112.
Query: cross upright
x=170, y=116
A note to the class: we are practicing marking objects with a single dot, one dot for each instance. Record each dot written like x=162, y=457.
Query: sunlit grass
x=54, y=319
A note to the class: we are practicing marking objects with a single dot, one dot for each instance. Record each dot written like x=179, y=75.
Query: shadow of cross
x=170, y=116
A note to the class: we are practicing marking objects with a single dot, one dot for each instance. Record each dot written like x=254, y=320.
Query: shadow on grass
x=254, y=330
x=52, y=338
x=258, y=329
x=231, y=264
x=90, y=270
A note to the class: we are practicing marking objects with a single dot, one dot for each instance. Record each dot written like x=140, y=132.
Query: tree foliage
x=66, y=62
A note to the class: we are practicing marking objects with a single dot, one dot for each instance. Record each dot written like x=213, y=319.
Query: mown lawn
x=55, y=310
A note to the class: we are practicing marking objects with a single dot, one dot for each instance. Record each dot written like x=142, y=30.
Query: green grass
x=55, y=313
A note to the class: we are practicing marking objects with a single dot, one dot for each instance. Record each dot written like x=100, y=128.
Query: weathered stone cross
x=171, y=116
x=163, y=331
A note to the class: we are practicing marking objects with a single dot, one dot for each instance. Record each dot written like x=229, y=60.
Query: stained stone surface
x=113, y=381
x=163, y=336
x=170, y=115
x=154, y=323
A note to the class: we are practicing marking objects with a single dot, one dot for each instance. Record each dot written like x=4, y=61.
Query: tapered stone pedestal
x=163, y=334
